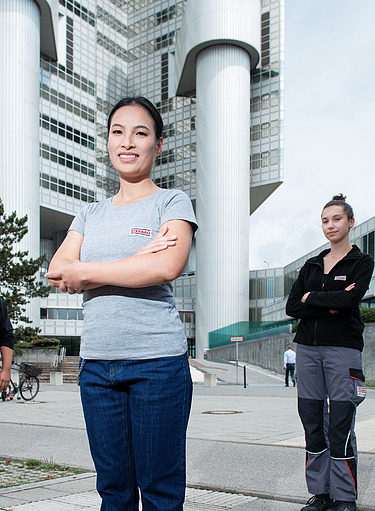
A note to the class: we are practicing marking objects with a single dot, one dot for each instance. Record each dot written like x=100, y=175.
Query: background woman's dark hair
x=340, y=200
x=144, y=103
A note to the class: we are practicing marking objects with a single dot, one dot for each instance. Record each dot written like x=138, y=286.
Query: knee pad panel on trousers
x=340, y=421
x=311, y=414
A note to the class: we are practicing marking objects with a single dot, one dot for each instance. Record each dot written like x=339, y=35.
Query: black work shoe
x=340, y=505
x=318, y=503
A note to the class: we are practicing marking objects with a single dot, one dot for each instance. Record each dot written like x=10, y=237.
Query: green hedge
x=29, y=337
x=368, y=314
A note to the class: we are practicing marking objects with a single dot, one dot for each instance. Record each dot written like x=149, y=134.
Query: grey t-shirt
x=121, y=322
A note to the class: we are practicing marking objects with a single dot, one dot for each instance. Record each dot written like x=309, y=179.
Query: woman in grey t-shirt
x=122, y=253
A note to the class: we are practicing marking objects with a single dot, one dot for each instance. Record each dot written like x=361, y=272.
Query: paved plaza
x=245, y=446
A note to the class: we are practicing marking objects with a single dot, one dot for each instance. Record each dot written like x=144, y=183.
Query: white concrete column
x=19, y=117
x=223, y=156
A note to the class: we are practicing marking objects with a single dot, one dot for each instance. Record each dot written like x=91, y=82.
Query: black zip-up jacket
x=318, y=326
x=6, y=330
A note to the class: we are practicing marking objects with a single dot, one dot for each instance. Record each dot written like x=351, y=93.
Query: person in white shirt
x=290, y=365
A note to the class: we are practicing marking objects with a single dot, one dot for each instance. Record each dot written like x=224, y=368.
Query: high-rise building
x=107, y=49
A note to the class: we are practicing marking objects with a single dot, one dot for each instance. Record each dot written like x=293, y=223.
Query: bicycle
x=28, y=386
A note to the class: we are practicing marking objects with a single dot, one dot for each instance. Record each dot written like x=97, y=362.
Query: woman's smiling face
x=132, y=143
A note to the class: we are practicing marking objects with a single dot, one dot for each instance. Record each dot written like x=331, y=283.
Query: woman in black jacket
x=326, y=297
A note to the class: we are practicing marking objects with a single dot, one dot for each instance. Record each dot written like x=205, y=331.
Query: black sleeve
x=295, y=308
x=6, y=330
x=339, y=300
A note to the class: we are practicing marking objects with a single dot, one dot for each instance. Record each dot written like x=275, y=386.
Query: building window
x=66, y=103
x=270, y=287
x=255, y=133
x=107, y=184
x=261, y=288
x=364, y=244
x=165, y=14
x=79, y=10
x=69, y=43
x=371, y=244
x=164, y=76
x=265, y=159
x=252, y=289
x=191, y=347
x=265, y=40
x=255, y=161
x=274, y=128
x=368, y=244
x=62, y=314
x=165, y=40
x=187, y=316
x=114, y=23
x=274, y=157
x=59, y=185
x=279, y=287
x=113, y=47
x=67, y=160
x=265, y=101
x=67, y=131
x=166, y=182
x=179, y=153
x=289, y=280
x=73, y=78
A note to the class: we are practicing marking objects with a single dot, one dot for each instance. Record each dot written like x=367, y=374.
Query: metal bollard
x=244, y=377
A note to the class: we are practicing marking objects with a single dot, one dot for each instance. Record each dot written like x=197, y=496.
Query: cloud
x=329, y=127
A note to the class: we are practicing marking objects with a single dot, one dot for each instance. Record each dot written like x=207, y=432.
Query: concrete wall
x=269, y=353
x=369, y=352
x=35, y=356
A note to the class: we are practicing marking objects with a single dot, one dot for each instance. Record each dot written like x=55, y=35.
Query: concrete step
x=70, y=369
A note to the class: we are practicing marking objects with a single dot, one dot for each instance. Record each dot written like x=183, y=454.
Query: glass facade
x=111, y=48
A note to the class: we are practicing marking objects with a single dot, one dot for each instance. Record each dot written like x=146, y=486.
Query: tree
x=18, y=282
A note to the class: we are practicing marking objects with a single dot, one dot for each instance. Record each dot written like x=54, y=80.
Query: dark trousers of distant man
x=330, y=387
x=290, y=368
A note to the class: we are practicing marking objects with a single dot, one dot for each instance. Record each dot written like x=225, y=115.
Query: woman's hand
x=349, y=288
x=304, y=298
x=69, y=279
x=162, y=241
x=4, y=379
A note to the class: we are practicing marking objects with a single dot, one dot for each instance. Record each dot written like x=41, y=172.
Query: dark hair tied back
x=339, y=196
x=340, y=200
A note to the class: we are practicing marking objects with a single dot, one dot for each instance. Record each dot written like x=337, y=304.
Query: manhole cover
x=221, y=412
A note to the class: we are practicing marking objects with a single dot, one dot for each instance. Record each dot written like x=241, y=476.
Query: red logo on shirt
x=140, y=232
x=340, y=277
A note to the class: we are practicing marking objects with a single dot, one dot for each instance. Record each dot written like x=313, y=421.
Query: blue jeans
x=290, y=368
x=136, y=414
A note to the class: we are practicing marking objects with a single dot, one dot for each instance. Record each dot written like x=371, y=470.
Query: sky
x=329, y=127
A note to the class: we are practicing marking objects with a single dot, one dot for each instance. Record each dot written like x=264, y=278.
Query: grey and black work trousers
x=331, y=385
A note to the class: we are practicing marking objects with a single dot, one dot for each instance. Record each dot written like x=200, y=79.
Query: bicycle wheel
x=29, y=388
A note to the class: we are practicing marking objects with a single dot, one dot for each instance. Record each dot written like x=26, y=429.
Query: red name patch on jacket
x=140, y=232
x=340, y=277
